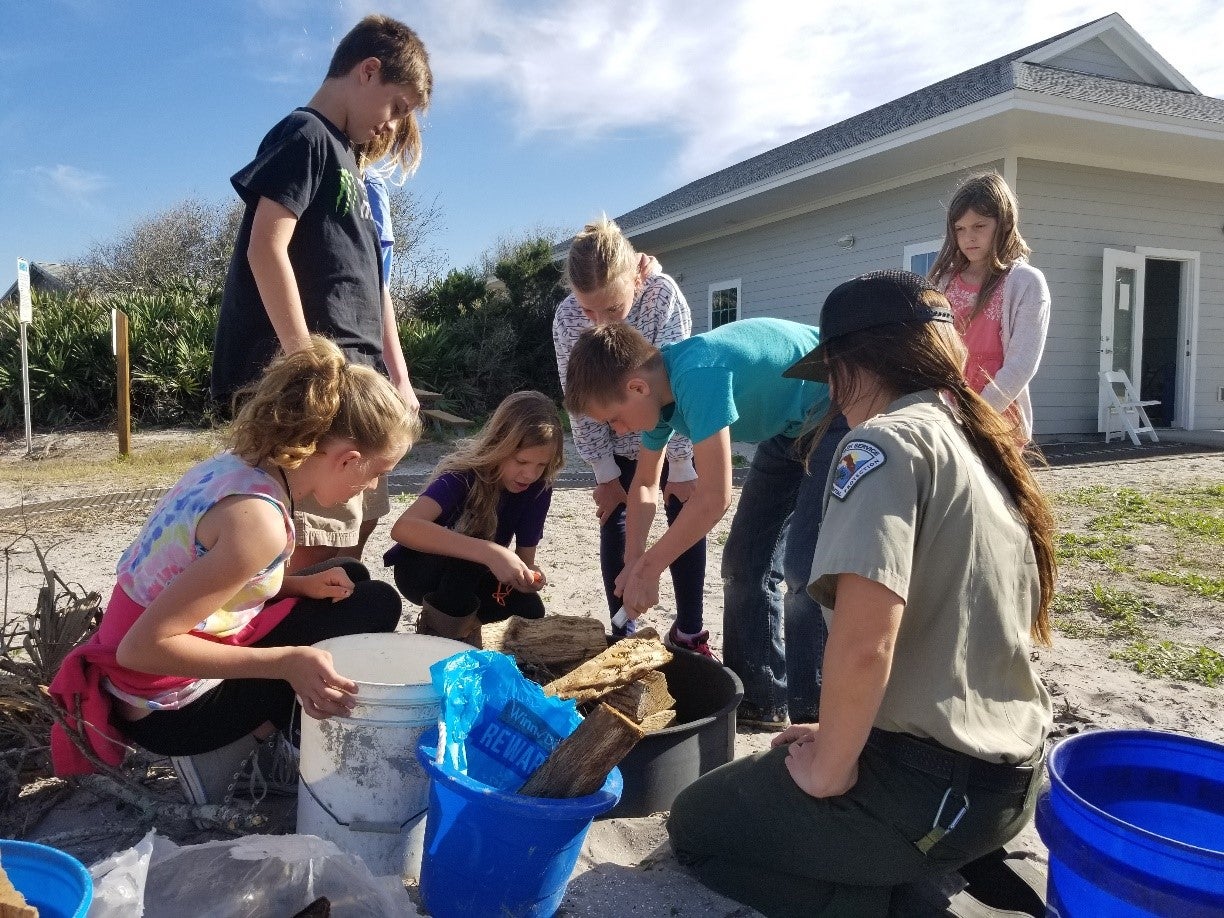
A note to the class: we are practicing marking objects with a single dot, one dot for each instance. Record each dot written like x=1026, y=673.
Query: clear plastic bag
x=119, y=881
x=268, y=875
x=498, y=726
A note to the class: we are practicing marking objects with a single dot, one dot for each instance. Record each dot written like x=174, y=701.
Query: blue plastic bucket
x=55, y=883
x=1134, y=820
x=488, y=852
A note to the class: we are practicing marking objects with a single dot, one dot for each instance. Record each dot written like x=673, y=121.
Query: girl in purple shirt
x=453, y=553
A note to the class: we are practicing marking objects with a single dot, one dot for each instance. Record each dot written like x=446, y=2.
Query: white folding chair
x=1124, y=412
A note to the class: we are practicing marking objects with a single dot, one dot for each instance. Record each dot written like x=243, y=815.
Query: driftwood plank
x=581, y=762
x=642, y=697
x=551, y=641
x=620, y=664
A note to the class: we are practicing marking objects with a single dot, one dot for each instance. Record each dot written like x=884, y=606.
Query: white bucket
x=361, y=785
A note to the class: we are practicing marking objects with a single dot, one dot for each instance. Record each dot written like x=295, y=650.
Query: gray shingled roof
x=982, y=82
x=1141, y=97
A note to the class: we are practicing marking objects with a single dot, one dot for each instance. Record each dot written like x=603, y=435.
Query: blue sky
x=544, y=113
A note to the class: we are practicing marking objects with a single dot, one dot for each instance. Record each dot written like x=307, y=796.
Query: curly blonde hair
x=523, y=420
x=314, y=395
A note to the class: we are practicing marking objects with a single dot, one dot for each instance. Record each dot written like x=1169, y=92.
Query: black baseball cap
x=868, y=301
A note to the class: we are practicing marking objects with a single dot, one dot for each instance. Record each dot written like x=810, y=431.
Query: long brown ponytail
x=907, y=358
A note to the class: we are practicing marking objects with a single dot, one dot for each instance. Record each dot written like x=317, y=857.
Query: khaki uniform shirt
x=910, y=505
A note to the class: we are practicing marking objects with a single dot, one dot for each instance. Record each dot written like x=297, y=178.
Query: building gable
x=1110, y=48
x=1096, y=59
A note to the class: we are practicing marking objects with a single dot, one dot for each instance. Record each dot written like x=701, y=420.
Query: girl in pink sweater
x=1000, y=301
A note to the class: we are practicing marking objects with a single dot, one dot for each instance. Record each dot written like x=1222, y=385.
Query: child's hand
x=680, y=490
x=322, y=691
x=539, y=581
x=509, y=568
x=608, y=496
x=638, y=587
x=332, y=583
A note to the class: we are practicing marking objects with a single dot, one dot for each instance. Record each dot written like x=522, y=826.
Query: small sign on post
x=25, y=306
x=25, y=315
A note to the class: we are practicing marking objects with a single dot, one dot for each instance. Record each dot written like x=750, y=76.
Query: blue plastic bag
x=498, y=726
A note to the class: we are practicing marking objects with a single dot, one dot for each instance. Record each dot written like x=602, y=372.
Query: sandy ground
x=626, y=867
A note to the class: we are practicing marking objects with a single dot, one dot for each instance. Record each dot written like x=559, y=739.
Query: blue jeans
x=687, y=571
x=776, y=644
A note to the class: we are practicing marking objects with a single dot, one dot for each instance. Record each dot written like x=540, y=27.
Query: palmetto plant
x=72, y=365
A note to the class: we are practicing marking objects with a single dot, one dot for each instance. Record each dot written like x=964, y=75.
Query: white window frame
x=718, y=287
x=919, y=248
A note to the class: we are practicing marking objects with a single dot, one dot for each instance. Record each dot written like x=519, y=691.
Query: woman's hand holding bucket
x=322, y=692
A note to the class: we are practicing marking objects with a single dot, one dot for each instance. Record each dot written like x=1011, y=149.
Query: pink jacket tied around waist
x=77, y=687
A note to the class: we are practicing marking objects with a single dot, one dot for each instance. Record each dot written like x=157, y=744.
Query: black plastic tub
x=701, y=738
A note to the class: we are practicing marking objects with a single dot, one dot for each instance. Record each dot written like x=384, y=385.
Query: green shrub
x=476, y=347
x=72, y=370
x=72, y=366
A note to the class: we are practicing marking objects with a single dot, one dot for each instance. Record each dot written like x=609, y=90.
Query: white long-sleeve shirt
x=662, y=315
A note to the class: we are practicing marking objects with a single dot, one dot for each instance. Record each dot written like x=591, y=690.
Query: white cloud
x=730, y=78
x=69, y=182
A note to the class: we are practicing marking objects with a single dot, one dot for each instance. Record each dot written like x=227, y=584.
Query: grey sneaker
x=210, y=777
x=753, y=718
x=274, y=769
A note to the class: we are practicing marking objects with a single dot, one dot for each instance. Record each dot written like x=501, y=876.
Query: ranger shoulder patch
x=857, y=459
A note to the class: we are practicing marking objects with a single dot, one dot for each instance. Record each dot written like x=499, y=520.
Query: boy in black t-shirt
x=308, y=257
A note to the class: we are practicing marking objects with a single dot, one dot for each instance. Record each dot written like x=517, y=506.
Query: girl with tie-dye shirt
x=205, y=642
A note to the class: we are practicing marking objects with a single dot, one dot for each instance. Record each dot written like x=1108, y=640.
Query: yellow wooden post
x=123, y=368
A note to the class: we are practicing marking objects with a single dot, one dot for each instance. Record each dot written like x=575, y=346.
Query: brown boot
x=464, y=628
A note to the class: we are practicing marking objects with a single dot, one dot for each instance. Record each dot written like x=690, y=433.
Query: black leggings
x=237, y=707
x=458, y=584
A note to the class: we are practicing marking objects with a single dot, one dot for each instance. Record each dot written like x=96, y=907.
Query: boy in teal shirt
x=725, y=385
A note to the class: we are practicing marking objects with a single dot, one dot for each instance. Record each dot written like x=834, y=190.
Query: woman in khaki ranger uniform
x=936, y=560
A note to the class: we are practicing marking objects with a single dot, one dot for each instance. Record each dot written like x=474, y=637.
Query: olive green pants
x=750, y=833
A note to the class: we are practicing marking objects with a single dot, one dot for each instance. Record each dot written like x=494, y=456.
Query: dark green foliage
x=446, y=300
x=477, y=346
x=72, y=367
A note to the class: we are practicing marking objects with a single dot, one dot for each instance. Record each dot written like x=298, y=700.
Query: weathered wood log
x=551, y=641
x=642, y=697
x=658, y=720
x=620, y=664
x=581, y=762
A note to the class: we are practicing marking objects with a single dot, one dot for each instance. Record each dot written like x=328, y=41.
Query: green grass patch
x=1196, y=512
x=1208, y=587
x=1074, y=547
x=1179, y=662
x=1078, y=628
x=1111, y=612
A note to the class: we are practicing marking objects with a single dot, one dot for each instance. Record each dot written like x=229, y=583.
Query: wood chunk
x=551, y=641
x=658, y=720
x=622, y=663
x=581, y=762
x=642, y=697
